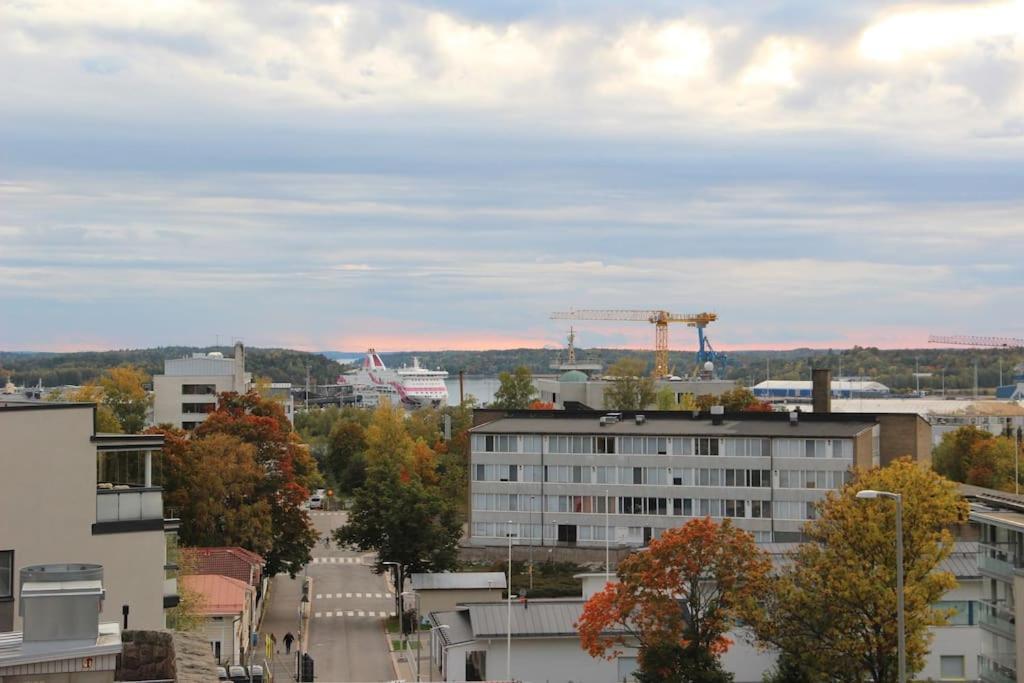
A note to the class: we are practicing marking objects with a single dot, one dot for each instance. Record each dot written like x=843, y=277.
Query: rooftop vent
x=794, y=418
x=610, y=419
x=640, y=419
x=717, y=415
x=61, y=602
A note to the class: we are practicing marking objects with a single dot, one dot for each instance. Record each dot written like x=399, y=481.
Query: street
x=346, y=624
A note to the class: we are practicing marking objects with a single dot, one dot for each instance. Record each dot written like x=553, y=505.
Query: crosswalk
x=376, y=614
x=337, y=560
x=325, y=513
x=349, y=596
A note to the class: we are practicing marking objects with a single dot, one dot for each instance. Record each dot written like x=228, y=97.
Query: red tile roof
x=221, y=594
x=237, y=563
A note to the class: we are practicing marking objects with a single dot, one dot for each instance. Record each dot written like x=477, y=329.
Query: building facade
x=187, y=391
x=575, y=388
x=563, y=478
x=72, y=495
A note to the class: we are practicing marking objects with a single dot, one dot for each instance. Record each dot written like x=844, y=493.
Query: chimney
x=60, y=603
x=821, y=390
x=240, y=368
x=717, y=415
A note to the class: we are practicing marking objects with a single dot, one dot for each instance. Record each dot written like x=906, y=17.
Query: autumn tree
x=832, y=610
x=516, y=389
x=127, y=398
x=289, y=472
x=973, y=456
x=403, y=519
x=676, y=602
x=665, y=399
x=345, y=461
x=630, y=388
x=537, y=404
x=106, y=421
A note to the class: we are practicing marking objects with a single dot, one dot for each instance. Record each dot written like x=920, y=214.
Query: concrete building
x=188, y=389
x=794, y=390
x=445, y=590
x=69, y=492
x=561, y=477
x=229, y=606
x=575, y=389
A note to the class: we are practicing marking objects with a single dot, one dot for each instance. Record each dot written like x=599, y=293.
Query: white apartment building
x=70, y=495
x=188, y=389
x=562, y=477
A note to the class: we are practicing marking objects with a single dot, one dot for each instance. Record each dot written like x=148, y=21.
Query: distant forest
x=892, y=367
x=54, y=369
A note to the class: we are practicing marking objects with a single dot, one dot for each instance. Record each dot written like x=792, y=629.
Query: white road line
x=359, y=595
x=348, y=595
x=361, y=613
x=318, y=596
x=392, y=614
x=350, y=614
x=316, y=616
x=328, y=614
x=379, y=595
x=330, y=595
x=388, y=596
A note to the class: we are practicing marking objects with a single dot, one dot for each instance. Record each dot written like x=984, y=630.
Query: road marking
x=359, y=595
x=361, y=613
x=318, y=596
x=392, y=614
x=316, y=616
x=328, y=614
x=379, y=595
x=329, y=596
x=348, y=595
x=350, y=614
x=388, y=596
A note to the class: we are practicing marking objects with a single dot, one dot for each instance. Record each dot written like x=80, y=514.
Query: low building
x=63, y=640
x=1015, y=390
x=469, y=644
x=579, y=479
x=71, y=492
x=187, y=391
x=445, y=590
x=233, y=562
x=228, y=605
x=574, y=389
x=793, y=390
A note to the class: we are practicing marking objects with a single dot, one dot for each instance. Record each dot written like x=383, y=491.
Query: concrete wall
x=167, y=396
x=445, y=600
x=905, y=434
x=49, y=506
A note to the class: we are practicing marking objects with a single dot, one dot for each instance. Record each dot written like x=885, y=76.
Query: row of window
x=644, y=505
x=583, y=532
x=661, y=445
x=660, y=476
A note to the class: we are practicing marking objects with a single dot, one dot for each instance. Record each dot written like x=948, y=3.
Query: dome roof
x=573, y=376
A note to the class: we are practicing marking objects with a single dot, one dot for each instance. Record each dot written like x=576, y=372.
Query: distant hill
x=280, y=365
x=893, y=367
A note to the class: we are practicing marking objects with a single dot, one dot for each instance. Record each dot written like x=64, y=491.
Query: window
x=6, y=574
x=604, y=444
x=707, y=446
x=198, y=408
x=480, y=473
x=951, y=667
x=199, y=389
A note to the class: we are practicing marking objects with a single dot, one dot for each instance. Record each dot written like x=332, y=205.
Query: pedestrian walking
x=288, y=640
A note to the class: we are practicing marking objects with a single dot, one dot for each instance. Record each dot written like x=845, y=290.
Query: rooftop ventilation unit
x=794, y=419
x=61, y=602
x=640, y=419
x=717, y=415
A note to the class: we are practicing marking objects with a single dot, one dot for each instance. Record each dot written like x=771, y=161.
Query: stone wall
x=165, y=655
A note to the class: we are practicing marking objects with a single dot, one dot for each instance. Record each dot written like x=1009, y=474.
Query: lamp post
x=508, y=637
x=416, y=612
x=444, y=649
x=900, y=624
x=607, y=541
x=530, y=536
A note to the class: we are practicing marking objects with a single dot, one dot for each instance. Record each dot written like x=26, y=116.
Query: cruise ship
x=414, y=386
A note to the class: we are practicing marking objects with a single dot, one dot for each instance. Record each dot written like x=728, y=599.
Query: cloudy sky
x=444, y=173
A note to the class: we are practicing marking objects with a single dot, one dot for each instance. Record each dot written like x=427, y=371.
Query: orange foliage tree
x=537, y=404
x=676, y=601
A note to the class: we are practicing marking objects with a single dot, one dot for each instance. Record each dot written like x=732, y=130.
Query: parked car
x=316, y=503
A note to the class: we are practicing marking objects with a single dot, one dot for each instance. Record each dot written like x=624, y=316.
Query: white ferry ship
x=416, y=386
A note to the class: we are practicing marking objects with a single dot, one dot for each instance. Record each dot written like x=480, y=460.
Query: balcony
x=992, y=670
x=997, y=561
x=997, y=618
x=129, y=508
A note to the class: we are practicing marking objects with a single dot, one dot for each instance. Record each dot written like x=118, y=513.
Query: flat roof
x=532, y=618
x=1009, y=520
x=13, y=651
x=457, y=580
x=588, y=423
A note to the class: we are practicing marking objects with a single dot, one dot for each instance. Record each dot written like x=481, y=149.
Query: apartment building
x=188, y=389
x=577, y=478
x=72, y=495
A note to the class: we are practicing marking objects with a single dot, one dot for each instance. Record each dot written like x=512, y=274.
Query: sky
x=444, y=174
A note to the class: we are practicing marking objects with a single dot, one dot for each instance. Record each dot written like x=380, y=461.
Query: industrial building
x=574, y=389
x=795, y=390
x=577, y=478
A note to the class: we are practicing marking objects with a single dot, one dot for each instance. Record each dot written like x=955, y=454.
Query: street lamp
x=607, y=572
x=508, y=639
x=444, y=649
x=869, y=494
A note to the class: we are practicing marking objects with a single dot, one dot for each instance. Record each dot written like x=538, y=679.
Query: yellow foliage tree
x=833, y=610
x=106, y=421
x=124, y=393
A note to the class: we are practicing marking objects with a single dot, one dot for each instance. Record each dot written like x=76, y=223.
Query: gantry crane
x=660, y=320
x=964, y=340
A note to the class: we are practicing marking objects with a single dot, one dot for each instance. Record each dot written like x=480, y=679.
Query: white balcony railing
x=134, y=503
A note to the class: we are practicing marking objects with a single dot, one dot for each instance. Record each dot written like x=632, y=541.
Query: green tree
x=405, y=521
x=665, y=399
x=831, y=610
x=516, y=389
x=951, y=456
x=973, y=456
x=124, y=394
x=677, y=601
x=630, y=387
x=345, y=460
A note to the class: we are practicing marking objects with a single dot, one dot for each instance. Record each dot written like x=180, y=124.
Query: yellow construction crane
x=660, y=320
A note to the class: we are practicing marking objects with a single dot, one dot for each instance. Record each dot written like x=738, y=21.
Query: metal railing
x=996, y=616
x=998, y=560
x=991, y=670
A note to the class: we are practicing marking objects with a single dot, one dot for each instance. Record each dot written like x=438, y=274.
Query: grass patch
x=396, y=644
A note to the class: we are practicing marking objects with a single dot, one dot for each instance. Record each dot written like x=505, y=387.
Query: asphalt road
x=346, y=625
